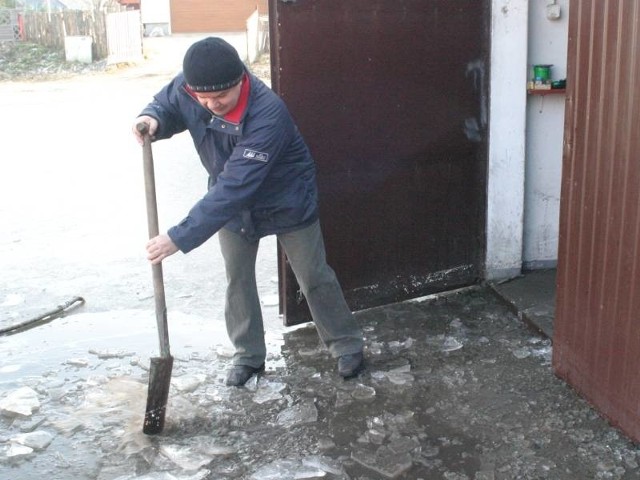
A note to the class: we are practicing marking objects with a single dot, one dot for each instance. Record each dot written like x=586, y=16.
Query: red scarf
x=235, y=115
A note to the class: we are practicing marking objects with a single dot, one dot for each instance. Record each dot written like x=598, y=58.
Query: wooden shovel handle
x=152, y=224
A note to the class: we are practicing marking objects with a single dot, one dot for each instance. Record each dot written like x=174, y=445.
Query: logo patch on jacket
x=255, y=155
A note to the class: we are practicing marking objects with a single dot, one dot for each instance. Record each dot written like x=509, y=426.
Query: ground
x=28, y=61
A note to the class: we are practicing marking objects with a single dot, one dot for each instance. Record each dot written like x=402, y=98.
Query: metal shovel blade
x=158, y=394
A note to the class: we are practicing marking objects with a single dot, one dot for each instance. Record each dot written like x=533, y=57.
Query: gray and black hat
x=211, y=65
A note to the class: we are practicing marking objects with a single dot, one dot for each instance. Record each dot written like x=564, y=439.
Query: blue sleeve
x=262, y=144
x=166, y=109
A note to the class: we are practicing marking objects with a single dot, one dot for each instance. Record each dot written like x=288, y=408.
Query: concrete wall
x=505, y=189
x=525, y=138
x=544, y=136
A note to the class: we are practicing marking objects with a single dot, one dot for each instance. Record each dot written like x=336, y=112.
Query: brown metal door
x=596, y=331
x=390, y=96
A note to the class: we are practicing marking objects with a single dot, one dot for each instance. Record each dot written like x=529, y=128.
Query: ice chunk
x=456, y=323
x=521, y=353
x=225, y=351
x=38, y=440
x=325, y=443
x=209, y=446
x=396, y=346
x=384, y=461
x=343, y=399
x=201, y=475
x=376, y=436
x=404, y=445
x=308, y=473
x=268, y=391
x=188, y=383
x=325, y=464
x=376, y=348
x=398, y=378
x=270, y=300
x=309, y=352
x=17, y=450
x=10, y=368
x=363, y=392
x=278, y=470
x=252, y=383
x=23, y=401
x=106, y=354
x=95, y=380
x=286, y=469
x=303, y=412
x=78, y=362
x=406, y=368
x=451, y=344
x=185, y=457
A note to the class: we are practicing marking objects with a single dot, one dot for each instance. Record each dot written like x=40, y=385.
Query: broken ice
x=521, y=353
x=383, y=460
x=188, y=383
x=185, y=457
x=450, y=344
x=78, y=362
x=303, y=412
x=23, y=401
x=38, y=440
x=106, y=354
x=17, y=450
x=268, y=391
x=270, y=300
x=308, y=468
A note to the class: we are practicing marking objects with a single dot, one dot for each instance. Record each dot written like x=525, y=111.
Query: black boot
x=350, y=365
x=238, y=375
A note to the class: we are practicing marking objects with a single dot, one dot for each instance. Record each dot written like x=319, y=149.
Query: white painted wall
x=544, y=136
x=156, y=17
x=506, y=158
x=155, y=11
x=525, y=138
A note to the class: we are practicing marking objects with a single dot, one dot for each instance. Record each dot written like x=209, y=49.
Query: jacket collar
x=235, y=115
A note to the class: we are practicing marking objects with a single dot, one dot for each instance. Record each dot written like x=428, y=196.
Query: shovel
x=160, y=370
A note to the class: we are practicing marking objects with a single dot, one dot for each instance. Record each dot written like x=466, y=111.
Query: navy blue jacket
x=262, y=177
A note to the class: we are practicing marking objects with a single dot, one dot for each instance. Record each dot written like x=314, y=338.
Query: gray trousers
x=305, y=251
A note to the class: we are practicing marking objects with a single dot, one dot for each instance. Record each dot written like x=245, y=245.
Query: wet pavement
x=531, y=296
x=457, y=386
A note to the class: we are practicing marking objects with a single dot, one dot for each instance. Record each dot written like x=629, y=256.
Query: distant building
x=163, y=17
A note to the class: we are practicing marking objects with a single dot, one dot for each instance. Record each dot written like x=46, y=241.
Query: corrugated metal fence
x=597, y=326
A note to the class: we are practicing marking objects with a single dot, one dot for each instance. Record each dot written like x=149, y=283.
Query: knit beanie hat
x=211, y=65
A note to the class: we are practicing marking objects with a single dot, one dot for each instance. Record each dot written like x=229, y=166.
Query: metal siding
x=597, y=339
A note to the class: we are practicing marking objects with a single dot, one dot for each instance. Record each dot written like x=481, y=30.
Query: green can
x=542, y=73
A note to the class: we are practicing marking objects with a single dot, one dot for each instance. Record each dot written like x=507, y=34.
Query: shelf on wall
x=548, y=91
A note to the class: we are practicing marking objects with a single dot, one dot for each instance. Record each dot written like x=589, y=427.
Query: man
x=261, y=182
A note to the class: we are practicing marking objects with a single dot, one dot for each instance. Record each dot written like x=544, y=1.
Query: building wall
x=544, y=134
x=198, y=16
x=505, y=190
x=526, y=136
